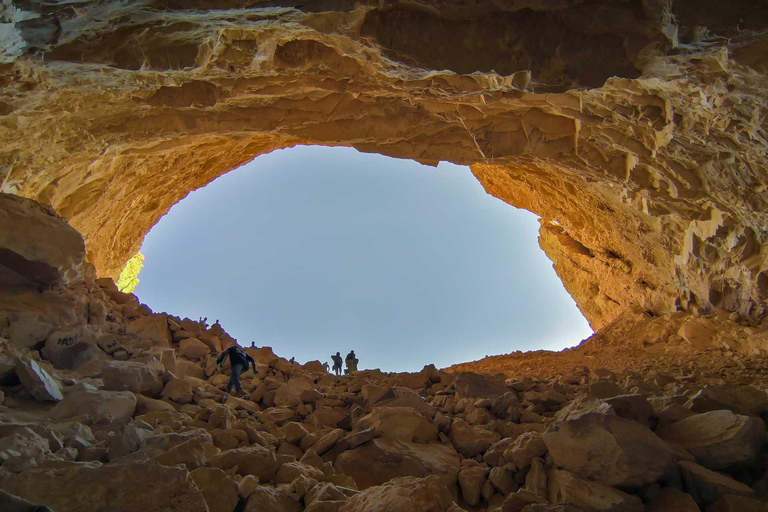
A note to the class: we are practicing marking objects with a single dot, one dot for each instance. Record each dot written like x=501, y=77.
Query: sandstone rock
x=407, y=494
x=254, y=460
x=380, y=460
x=98, y=406
x=327, y=441
x=290, y=471
x=537, y=480
x=470, y=441
x=611, y=450
x=526, y=447
x=268, y=499
x=400, y=423
x=744, y=400
x=605, y=389
x=672, y=500
x=192, y=454
x=518, y=501
x=735, y=503
x=472, y=385
x=471, y=481
x=358, y=438
x=565, y=487
x=127, y=376
x=672, y=413
x=706, y=486
x=290, y=393
x=132, y=487
x=503, y=480
x=294, y=432
x=718, y=439
x=37, y=381
x=38, y=247
x=220, y=493
x=632, y=407
x=152, y=327
x=24, y=449
x=193, y=348
x=64, y=349
x=178, y=390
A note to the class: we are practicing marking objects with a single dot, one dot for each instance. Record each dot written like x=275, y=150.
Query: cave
x=634, y=129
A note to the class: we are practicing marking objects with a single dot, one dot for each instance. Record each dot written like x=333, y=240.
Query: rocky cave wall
x=635, y=129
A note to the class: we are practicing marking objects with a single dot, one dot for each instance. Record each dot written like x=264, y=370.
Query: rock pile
x=106, y=405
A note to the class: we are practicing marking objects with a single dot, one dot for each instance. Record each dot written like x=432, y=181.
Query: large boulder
x=253, y=460
x=706, y=486
x=401, y=423
x=718, y=439
x=380, y=460
x=470, y=441
x=113, y=488
x=219, y=491
x=405, y=494
x=193, y=348
x=129, y=376
x=37, y=247
x=37, y=381
x=609, y=449
x=290, y=393
x=270, y=499
x=69, y=349
x=567, y=488
x=744, y=400
x=472, y=385
x=152, y=327
x=98, y=405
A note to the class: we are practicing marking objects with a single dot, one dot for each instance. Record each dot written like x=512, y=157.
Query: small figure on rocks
x=337, y=363
x=351, y=361
x=326, y=366
x=239, y=361
x=292, y=360
x=253, y=344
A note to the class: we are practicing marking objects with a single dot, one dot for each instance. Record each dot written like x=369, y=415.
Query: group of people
x=239, y=361
x=351, y=361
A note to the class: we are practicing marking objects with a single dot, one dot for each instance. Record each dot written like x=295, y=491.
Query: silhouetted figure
x=292, y=360
x=326, y=366
x=239, y=361
x=337, y=363
x=351, y=361
x=253, y=344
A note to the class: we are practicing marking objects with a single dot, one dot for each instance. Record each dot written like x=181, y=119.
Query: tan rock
x=470, y=441
x=609, y=449
x=219, y=491
x=128, y=376
x=471, y=482
x=192, y=454
x=152, y=327
x=99, y=406
x=37, y=381
x=706, y=486
x=735, y=503
x=537, y=480
x=193, y=348
x=268, y=499
x=718, y=439
x=472, y=385
x=672, y=500
x=516, y=502
x=407, y=494
x=565, y=487
x=178, y=390
x=289, y=394
x=400, y=423
x=294, y=432
x=254, y=460
x=503, y=480
x=526, y=447
x=380, y=460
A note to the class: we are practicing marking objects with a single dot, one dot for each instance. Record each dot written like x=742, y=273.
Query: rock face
x=635, y=133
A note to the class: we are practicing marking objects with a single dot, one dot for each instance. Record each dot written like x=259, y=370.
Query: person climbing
x=351, y=361
x=238, y=360
x=337, y=363
x=253, y=345
x=292, y=360
x=326, y=366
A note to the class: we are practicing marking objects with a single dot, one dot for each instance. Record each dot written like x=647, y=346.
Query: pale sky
x=314, y=250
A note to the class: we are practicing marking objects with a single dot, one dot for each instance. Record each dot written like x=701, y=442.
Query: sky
x=313, y=250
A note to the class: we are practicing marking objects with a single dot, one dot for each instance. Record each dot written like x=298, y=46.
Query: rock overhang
x=640, y=132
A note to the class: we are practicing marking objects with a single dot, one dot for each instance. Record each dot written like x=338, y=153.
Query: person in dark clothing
x=239, y=360
x=351, y=361
x=337, y=363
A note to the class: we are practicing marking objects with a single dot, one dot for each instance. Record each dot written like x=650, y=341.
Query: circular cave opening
x=313, y=250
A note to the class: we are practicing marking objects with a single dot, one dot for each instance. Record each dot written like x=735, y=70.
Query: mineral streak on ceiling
x=637, y=125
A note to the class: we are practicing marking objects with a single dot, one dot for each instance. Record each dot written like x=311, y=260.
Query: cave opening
x=313, y=250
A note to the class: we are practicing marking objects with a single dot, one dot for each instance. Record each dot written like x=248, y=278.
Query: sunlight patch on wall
x=129, y=277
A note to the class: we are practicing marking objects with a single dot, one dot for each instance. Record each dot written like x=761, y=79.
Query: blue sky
x=314, y=250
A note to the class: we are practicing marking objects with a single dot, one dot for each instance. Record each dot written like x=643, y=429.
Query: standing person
x=325, y=365
x=351, y=361
x=239, y=360
x=337, y=363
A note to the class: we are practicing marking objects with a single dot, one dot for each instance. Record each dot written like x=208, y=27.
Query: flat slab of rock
x=565, y=487
x=706, y=486
x=99, y=406
x=401, y=423
x=717, y=439
x=129, y=376
x=609, y=449
x=406, y=494
x=113, y=488
x=37, y=381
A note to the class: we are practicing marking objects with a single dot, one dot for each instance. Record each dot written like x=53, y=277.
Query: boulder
x=406, y=494
x=114, y=488
x=129, y=376
x=632, y=407
x=293, y=432
x=517, y=501
x=193, y=348
x=744, y=400
x=670, y=499
x=269, y=499
x=526, y=447
x=64, y=348
x=718, y=439
x=400, y=423
x=609, y=449
x=735, y=503
x=23, y=449
x=254, y=460
x=314, y=367
x=37, y=381
x=706, y=486
x=503, y=480
x=192, y=454
x=471, y=481
x=470, y=441
x=152, y=327
x=37, y=247
x=567, y=488
x=218, y=490
x=605, y=389
x=99, y=406
x=472, y=385
x=380, y=460
x=178, y=390
x=289, y=394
